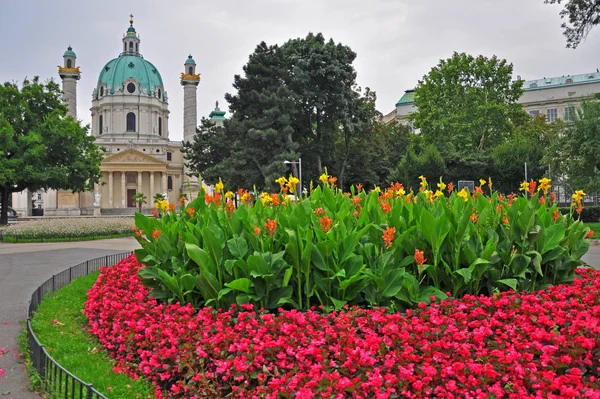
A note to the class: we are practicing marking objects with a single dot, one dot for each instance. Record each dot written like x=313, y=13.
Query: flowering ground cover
x=68, y=229
x=60, y=326
x=543, y=344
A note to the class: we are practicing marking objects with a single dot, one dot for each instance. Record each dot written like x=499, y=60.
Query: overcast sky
x=397, y=41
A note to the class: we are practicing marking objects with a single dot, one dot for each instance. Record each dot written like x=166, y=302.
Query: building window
x=101, y=91
x=100, y=124
x=169, y=182
x=534, y=112
x=159, y=126
x=131, y=122
x=130, y=88
x=551, y=114
x=39, y=206
x=69, y=64
x=169, y=156
x=569, y=112
x=191, y=70
x=136, y=47
x=124, y=46
x=159, y=93
x=39, y=197
x=131, y=46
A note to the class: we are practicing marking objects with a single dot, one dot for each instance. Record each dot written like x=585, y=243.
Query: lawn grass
x=11, y=239
x=596, y=228
x=60, y=326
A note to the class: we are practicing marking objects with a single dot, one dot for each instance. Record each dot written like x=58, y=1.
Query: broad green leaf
x=241, y=284
x=238, y=247
x=509, y=282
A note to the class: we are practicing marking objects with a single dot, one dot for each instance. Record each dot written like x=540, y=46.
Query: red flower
x=325, y=223
x=172, y=207
x=191, y=211
x=155, y=213
x=320, y=211
x=474, y=217
x=420, y=257
x=388, y=236
x=505, y=221
x=386, y=207
x=359, y=187
x=532, y=186
x=450, y=187
x=589, y=234
x=155, y=234
x=271, y=225
x=229, y=207
x=542, y=200
x=256, y=230
x=555, y=215
x=552, y=196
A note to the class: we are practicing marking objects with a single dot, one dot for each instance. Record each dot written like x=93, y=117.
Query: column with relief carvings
x=110, y=189
x=123, y=191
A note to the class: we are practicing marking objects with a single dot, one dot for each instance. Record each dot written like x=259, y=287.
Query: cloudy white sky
x=397, y=41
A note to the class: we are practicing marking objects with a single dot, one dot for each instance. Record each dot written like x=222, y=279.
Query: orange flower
x=555, y=215
x=325, y=223
x=499, y=208
x=505, y=221
x=208, y=199
x=474, y=217
x=320, y=211
x=217, y=198
x=332, y=180
x=155, y=234
x=256, y=230
x=356, y=213
x=450, y=187
x=171, y=207
x=589, y=234
x=511, y=198
x=386, y=207
x=359, y=187
x=138, y=232
x=579, y=208
x=388, y=236
x=532, y=186
x=552, y=196
x=420, y=257
x=190, y=212
x=271, y=225
x=229, y=207
x=356, y=201
x=542, y=200
x=155, y=213
x=182, y=200
x=275, y=199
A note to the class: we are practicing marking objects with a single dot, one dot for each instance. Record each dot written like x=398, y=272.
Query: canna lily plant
x=393, y=248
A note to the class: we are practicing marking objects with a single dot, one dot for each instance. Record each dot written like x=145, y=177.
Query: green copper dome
x=190, y=60
x=125, y=67
x=69, y=52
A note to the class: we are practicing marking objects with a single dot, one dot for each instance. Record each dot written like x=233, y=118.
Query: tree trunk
x=4, y=205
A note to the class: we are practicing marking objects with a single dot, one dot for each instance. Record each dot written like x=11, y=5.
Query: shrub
x=589, y=214
x=379, y=249
x=510, y=345
x=68, y=228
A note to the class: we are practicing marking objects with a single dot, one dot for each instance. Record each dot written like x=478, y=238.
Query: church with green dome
x=130, y=119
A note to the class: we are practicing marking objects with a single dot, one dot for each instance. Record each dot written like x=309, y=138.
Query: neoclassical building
x=130, y=119
x=553, y=97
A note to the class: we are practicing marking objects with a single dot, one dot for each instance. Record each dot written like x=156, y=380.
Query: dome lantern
x=131, y=40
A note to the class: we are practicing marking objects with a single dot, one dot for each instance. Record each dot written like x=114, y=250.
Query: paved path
x=23, y=267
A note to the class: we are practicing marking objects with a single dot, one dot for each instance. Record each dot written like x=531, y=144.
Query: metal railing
x=56, y=380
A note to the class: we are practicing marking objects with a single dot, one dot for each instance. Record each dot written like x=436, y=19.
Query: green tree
x=41, y=147
x=582, y=15
x=573, y=154
x=420, y=160
x=468, y=104
x=140, y=200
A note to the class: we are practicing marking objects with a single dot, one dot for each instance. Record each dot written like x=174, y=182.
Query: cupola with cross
x=131, y=40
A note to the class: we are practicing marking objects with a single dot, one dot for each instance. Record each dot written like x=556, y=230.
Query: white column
x=151, y=190
x=164, y=183
x=139, y=183
x=123, y=191
x=110, y=189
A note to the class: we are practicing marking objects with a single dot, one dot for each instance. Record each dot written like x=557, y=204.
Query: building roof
x=69, y=52
x=190, y=60
x=217, y=114
x=118, y=70
x=561, y=81
x=407, y=98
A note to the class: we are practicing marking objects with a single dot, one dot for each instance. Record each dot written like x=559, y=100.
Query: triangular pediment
x=132, y=156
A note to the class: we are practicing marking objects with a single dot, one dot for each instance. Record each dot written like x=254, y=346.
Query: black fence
x=55, y=379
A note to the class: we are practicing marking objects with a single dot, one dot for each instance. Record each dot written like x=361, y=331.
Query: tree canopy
x=582, y=16
x=40, y=146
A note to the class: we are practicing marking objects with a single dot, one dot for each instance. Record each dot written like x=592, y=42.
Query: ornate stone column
x=110, y=189
x=151, y=196
x=123, y=191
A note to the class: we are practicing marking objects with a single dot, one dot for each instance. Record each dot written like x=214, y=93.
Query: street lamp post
x=299, y=163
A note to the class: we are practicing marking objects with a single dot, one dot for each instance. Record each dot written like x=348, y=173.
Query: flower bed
x=541, y=344
x=76, y=228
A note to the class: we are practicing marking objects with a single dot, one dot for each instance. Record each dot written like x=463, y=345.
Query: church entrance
x=130, y=201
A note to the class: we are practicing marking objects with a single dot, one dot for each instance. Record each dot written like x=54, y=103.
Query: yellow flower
x=324, y=178
x=265, y=198
x=400, y=192
x=544, y=185
x=292, y=183
x=464, y=194
x=162, y=205
x=228, y=194
x=438, y=194
x=524, y=186
x=377, y=189
x=578, y=196
x=219, y=186
x=482, y=182
x=441, y=185
x=429, y=195
x=281, y=181
x=423, y=182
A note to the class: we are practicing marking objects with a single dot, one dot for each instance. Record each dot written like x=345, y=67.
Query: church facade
x=130, y=119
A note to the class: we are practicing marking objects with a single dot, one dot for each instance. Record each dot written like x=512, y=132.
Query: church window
x=169, y=182
x=159, y=93
x=124, y=46
x=69, y=64
x=136, y=47
x=100, y=124
x=131, y=122
x=159, y=126
x=191, y=70
x=101, y=91
x=131, y=46
x=130, y=88
x=169, y=156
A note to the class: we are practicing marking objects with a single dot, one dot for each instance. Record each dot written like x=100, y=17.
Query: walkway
x=23, y=267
